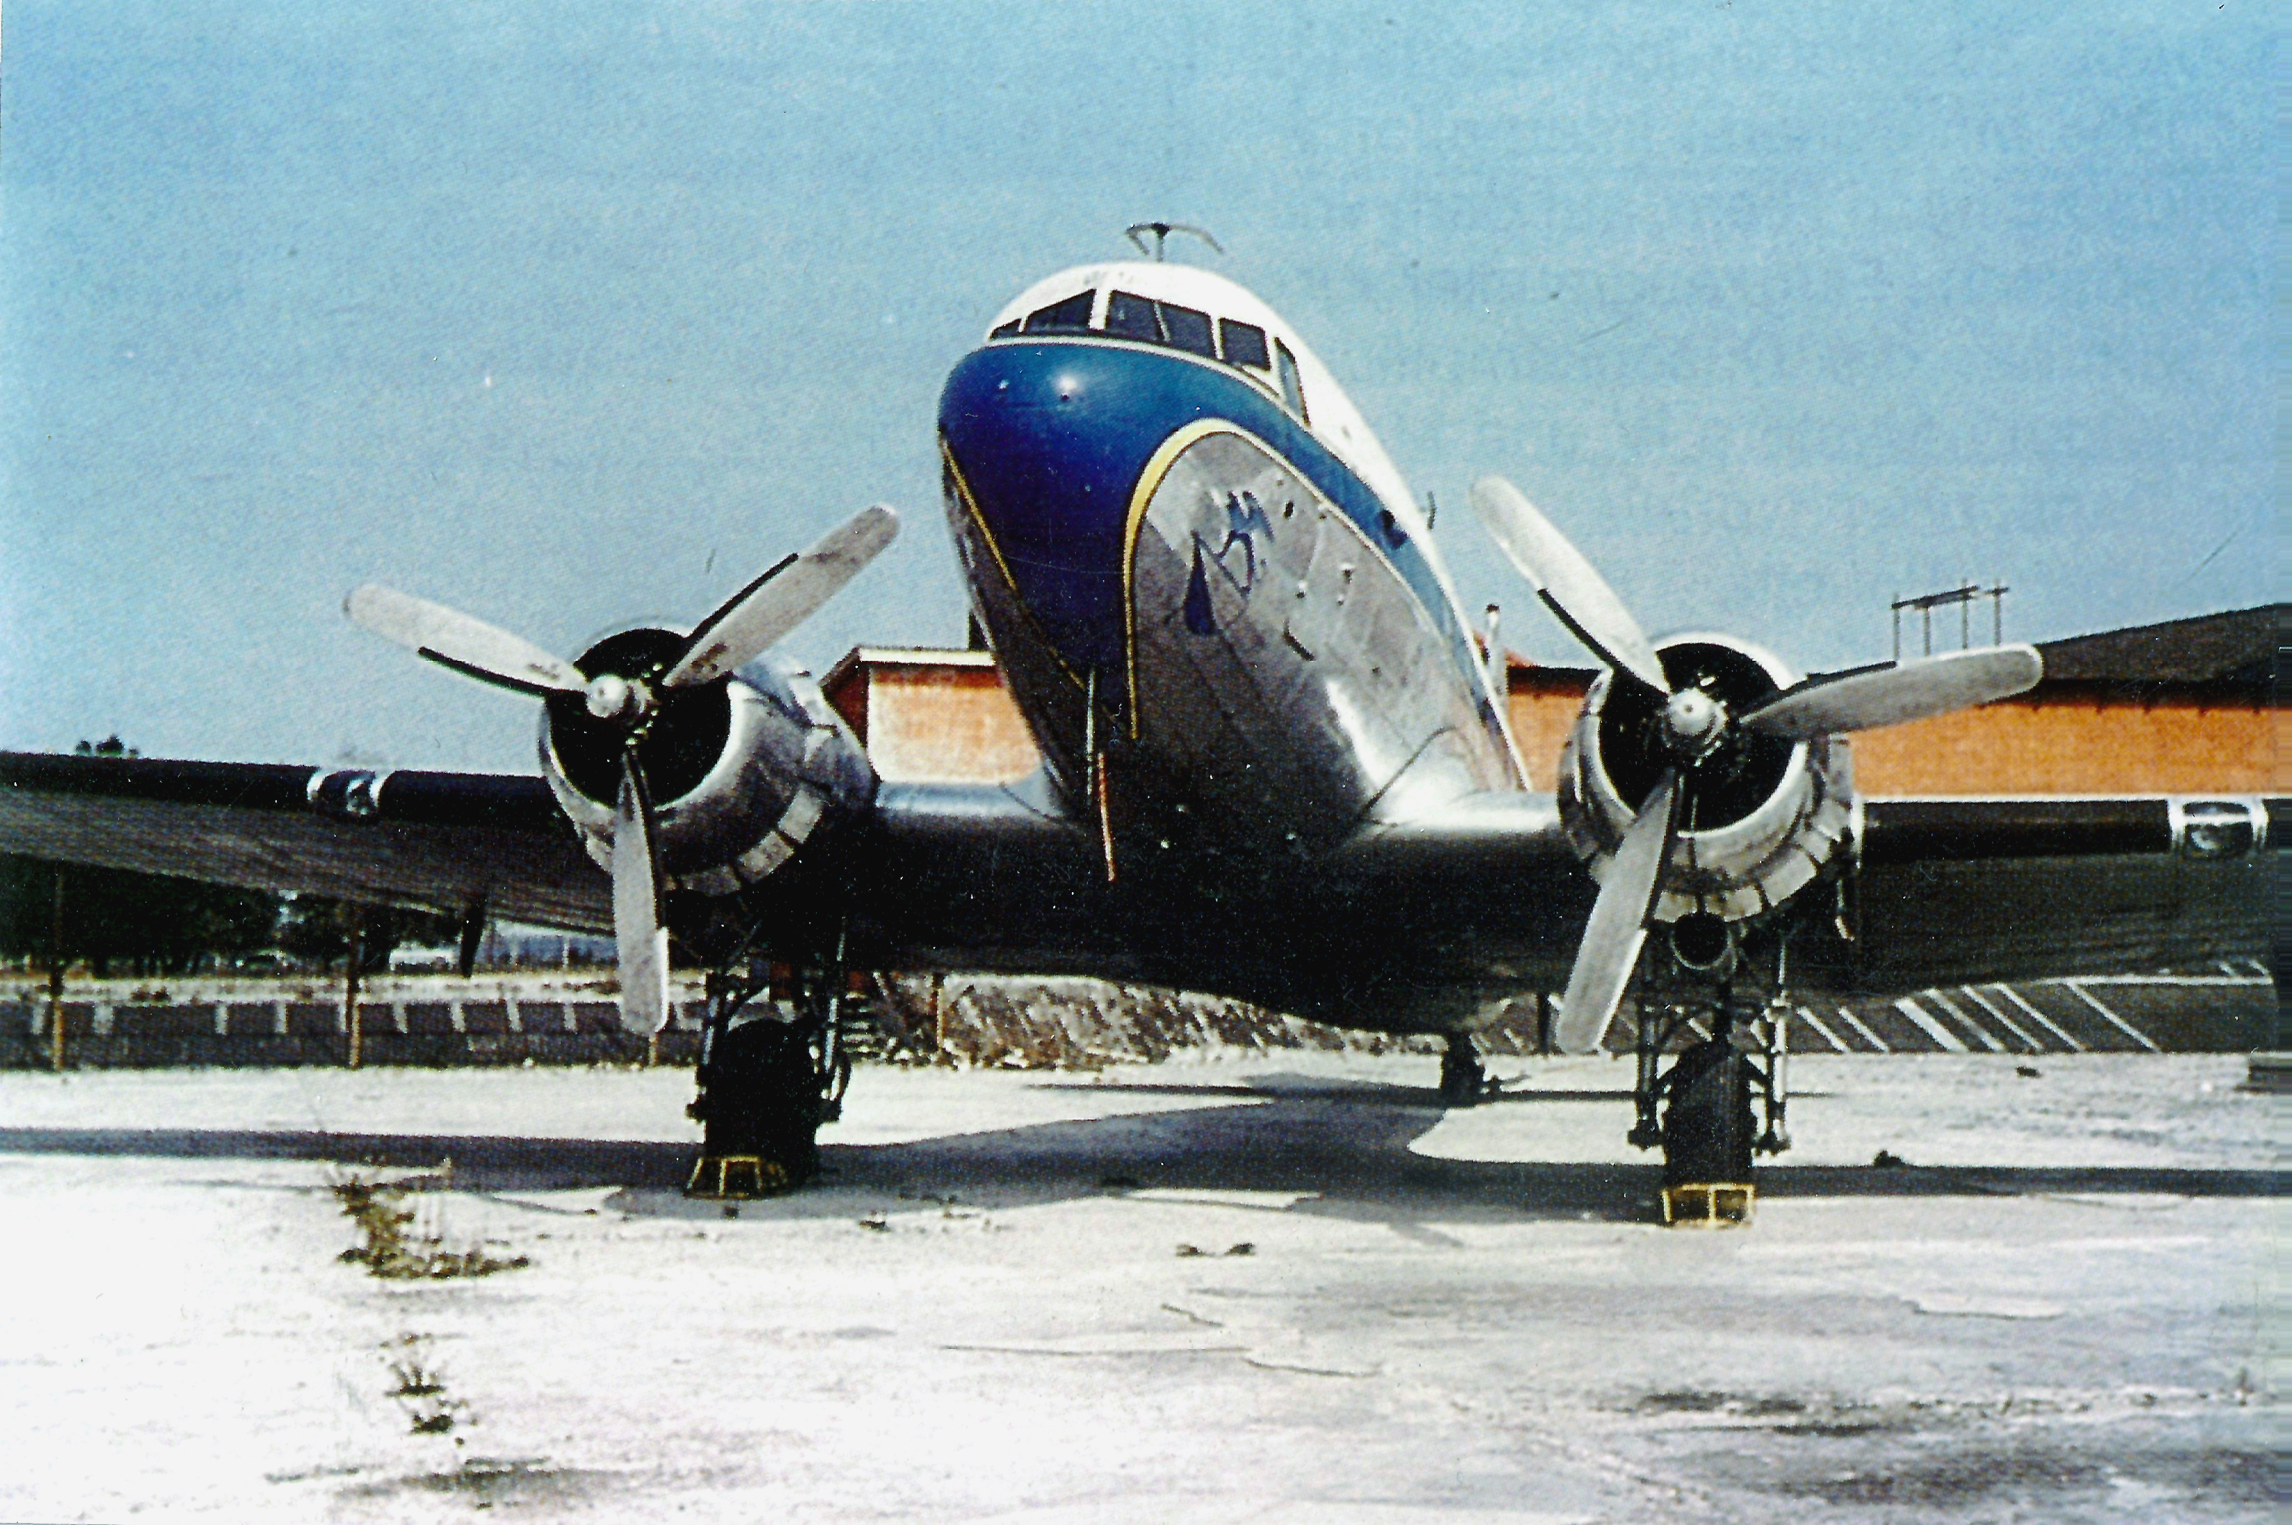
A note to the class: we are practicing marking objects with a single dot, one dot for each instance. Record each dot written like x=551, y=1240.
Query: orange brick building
x=2188, y=706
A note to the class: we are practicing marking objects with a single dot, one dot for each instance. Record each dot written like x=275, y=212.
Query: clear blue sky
x=579, y=313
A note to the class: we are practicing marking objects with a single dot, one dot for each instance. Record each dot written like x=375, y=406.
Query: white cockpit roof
x=1330, y=413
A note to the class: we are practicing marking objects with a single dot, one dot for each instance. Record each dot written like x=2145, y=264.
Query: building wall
x=1544, y=703
x=936, y=722
x=2067, y=745
x=925, y=721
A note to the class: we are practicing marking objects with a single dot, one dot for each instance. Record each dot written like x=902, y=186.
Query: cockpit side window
x=1005, y=330
x=1244, y=344
x=1132, y=317
x=1291, y=392
x=1188, y=329
x=1069, y=316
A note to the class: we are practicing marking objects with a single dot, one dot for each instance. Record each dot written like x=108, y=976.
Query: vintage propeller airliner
x=1275, y=765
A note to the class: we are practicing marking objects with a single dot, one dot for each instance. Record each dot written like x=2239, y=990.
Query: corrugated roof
x=2235, y=652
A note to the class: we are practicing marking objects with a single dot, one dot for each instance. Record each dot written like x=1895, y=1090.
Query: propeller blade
x=1569, y=585
x=1612, y=938
x=747, y=624
x=453, y=639
x=642, y=942
x=1892, y=694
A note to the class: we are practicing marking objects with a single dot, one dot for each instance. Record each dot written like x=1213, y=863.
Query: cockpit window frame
x=1226, y=328
x=1207, y=348
x=1152, y=313
x=1055, y=316
x=1286, y=378
x=1292, y=384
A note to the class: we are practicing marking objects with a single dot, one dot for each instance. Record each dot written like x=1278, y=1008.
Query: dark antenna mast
x=1162, y=231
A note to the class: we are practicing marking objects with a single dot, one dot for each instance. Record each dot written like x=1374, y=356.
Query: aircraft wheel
x=1461, y=1077
x=763, y=1101
x=1708, y=1129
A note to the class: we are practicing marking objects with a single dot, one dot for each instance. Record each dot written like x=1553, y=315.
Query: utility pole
x=56, y=976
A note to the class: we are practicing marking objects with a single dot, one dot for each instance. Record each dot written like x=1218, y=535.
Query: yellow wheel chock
x=1699, y=1204
x=737, y=1177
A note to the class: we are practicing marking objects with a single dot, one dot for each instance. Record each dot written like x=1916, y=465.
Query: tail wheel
x=1708, y=1130
x=1462, y=1080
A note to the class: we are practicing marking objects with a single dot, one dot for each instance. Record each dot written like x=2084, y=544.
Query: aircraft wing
x=985, y=876
x=1952, y=891
x=434, y=841
x=1946, y=892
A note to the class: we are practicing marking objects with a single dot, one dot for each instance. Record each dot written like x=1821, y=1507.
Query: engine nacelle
x=1766, y=815
x=743, y=773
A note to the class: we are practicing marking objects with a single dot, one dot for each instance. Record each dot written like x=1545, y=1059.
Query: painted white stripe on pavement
x=2054, y=1027
x=1861, y=1027
x=1828, y=1036
x=2124, y=1026
x=1968, y=1023
x=1998, y=1014
x=1934, y=1030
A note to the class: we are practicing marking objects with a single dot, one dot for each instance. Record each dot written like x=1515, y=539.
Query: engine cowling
x=1768, y=814
x=744, y=772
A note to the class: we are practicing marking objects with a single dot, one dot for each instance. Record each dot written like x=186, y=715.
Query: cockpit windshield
x=1131, y=316
x=1187, y=329
x=1244, y=344
x=1069, y=316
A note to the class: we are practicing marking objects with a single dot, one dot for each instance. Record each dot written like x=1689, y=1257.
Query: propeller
x=1890, y=694
x=640, y=942
x=1693, y=726
x=737, y=632
x=453, y=639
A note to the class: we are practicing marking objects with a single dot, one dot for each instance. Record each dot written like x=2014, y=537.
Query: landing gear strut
x=1462, y=1080
x=1705, y=1109
x=766, y=1083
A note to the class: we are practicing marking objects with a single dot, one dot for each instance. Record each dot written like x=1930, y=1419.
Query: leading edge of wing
x=441, y=841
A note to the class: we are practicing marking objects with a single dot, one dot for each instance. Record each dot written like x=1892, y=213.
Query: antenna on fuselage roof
x=1162, y=231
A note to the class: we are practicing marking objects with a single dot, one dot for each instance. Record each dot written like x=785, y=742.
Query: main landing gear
x=768, y=1080
x=1721, y=1101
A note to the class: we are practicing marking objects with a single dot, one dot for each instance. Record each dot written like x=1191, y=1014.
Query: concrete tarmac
x=1270, y=1290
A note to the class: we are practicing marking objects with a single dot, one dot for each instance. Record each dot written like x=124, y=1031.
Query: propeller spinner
x=1694, y=729
x=735, y=634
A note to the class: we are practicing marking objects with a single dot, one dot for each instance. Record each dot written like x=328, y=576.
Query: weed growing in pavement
x=387, y=1249
x=421, y=1386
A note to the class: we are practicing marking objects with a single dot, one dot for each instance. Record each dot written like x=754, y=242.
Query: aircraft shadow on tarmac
x=1343, y=1146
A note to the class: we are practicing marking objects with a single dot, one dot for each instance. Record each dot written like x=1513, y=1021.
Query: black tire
x=763, y=1098
x=1708, y=1129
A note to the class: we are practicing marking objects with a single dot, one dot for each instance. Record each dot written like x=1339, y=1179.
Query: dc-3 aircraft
x=1275, y=765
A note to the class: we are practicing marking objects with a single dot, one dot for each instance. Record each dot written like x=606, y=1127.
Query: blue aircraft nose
x=1049, y=438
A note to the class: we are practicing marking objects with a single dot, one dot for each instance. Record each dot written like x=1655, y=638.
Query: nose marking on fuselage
x=1245, y=520
x=1141, y=496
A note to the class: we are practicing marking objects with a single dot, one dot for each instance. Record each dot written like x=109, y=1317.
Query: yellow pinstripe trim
x=1149, y=482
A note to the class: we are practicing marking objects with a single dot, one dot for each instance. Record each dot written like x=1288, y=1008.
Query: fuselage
x=1214, y=598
